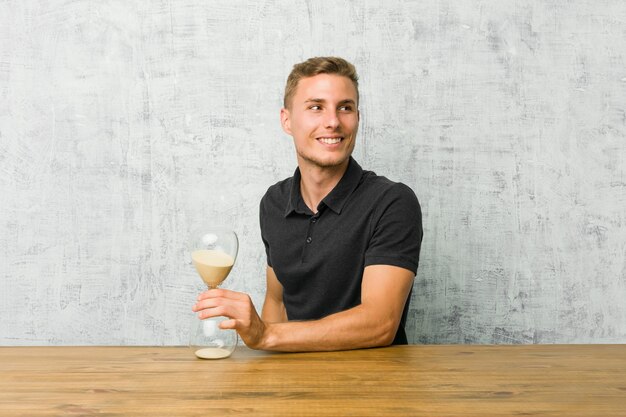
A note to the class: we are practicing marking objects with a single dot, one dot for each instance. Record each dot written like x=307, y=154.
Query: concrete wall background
x=123, y=123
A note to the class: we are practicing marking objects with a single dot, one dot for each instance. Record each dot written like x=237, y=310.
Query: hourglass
x=213, y=254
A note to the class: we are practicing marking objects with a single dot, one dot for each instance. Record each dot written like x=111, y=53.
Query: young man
x=342, y=243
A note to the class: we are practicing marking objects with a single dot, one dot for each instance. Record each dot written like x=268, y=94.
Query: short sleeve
x=396, y=230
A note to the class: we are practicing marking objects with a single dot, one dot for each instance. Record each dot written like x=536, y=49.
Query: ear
x=285, y=120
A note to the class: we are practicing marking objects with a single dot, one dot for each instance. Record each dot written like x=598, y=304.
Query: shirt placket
x=309, y=238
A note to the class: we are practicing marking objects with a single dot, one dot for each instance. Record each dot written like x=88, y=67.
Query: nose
x=331, y=121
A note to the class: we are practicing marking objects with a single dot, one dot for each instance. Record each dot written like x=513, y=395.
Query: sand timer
x=213, y=254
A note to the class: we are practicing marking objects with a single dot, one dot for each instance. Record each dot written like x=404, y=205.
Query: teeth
x=330, y=141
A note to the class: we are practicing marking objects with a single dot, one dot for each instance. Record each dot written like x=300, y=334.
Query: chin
x=327, y=162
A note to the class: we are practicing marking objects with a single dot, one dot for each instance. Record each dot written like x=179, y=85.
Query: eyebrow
x=321, y=100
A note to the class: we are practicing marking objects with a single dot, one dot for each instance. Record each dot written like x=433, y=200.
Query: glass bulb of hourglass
x=213, y=255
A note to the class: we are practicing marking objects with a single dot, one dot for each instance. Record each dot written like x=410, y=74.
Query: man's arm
x=374, y=322
x=273, y=307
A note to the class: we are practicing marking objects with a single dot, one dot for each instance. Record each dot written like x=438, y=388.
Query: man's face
x=323, y=120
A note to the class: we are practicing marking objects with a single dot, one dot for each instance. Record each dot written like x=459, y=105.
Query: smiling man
x=342, y=243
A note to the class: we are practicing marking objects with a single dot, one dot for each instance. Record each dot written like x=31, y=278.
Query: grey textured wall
x=124, y=123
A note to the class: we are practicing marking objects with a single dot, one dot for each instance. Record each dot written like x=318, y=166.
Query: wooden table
x=545, y=380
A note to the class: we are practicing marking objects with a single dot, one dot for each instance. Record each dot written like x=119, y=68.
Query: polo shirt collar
x=335, y=200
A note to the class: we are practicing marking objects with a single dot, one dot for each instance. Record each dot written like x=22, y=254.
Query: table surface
x=460, y=380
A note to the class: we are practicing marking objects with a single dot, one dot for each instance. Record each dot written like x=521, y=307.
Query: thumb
x=228, y=324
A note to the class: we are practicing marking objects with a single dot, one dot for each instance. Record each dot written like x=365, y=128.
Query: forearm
x=273, y=312
x=373, y=323
x=355, y=328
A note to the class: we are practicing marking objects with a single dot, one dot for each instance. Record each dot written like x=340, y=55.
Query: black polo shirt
x=319, y=258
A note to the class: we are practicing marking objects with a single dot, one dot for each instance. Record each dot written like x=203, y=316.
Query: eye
x=315, y=107
x=347, y=108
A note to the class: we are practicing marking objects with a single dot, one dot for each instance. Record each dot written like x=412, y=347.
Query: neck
x=317, y=182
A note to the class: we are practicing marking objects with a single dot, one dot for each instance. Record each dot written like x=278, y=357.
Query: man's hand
x=240, y=311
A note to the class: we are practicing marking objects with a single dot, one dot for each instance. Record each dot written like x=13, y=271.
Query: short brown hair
x=319, y=65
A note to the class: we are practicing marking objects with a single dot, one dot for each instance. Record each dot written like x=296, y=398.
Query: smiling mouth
x=330, y=141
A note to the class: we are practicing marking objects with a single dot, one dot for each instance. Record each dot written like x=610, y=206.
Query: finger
x=237, y=305
x=206, y=303
x=228, y=324
x=229, y=294
x=219, y=311
x=205, y=294
x=223, y=293
x=226, y=308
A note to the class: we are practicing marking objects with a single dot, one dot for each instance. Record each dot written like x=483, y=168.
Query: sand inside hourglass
x=212, y=353
x=212, y=265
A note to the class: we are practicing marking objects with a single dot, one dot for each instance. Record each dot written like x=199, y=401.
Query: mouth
x=330, y=140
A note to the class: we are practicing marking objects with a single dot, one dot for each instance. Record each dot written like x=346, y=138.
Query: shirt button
x=309, y=239
x=313, y=220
